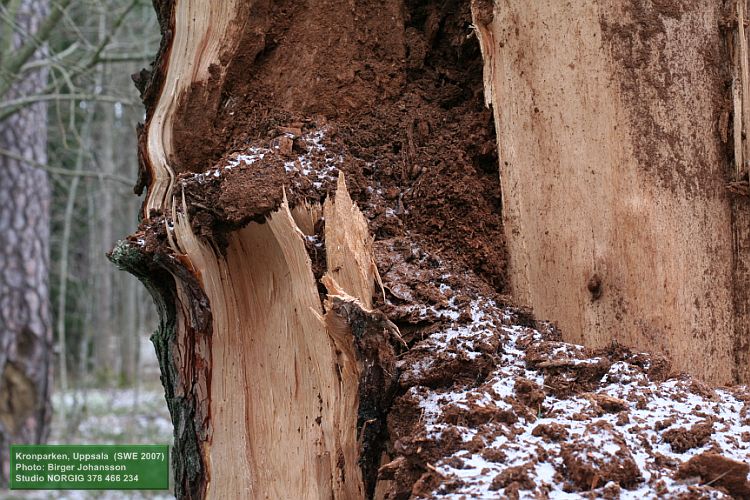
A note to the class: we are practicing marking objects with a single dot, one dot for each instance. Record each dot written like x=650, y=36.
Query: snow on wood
x=553, y=419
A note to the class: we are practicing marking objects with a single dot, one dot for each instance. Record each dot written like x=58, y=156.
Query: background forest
x=66, y=69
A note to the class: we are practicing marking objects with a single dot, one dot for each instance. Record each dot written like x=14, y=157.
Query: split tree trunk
x=280, y=387
x=621, y=130
x=276, y=391
x=25, y=323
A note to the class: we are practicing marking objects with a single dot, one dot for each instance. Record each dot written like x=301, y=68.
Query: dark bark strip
x=188, y=414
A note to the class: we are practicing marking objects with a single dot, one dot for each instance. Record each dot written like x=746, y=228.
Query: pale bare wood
x=349, y=246
x=579, y=201
x=745, y=82
x=203, y=31
x=306, y=215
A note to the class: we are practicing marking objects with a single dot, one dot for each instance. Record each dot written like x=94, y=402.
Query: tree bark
x=25, y=324
x=625, y=199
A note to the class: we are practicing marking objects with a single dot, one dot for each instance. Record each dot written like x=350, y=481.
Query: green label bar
x=89, y=467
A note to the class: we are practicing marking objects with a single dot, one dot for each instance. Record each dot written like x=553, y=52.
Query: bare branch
x=22, y=101
x=12, y=107
x=63, y=171
x=11, y=66
x=52, y=59
x=112, y=30
x=123, y=58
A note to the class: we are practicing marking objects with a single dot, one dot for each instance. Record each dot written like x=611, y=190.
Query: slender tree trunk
x=70, y=204
x=106, y=339
x=25, y=324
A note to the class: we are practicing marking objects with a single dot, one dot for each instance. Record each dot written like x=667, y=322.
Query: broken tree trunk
x=621, y=130
x=276, y=394
x=277, y=365
x=276, y=390
x=284, y=303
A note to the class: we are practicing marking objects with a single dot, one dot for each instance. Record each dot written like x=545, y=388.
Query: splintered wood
x=349, y=246
x=284, y=392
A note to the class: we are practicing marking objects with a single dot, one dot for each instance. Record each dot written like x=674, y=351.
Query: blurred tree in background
x=67, y=166
x=25, y=329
